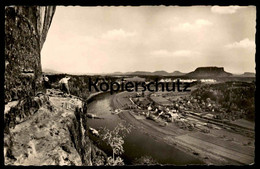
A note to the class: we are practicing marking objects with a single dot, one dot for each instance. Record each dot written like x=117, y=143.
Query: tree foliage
x=115, y=139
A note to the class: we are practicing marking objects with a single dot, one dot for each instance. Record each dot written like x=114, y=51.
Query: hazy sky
x=150, y=38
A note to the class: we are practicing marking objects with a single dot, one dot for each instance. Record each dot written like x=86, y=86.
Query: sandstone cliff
x=25, y=32
x=56, y=134
x=39, y=128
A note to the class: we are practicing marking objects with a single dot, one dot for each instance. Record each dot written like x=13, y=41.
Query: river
x=137, y=143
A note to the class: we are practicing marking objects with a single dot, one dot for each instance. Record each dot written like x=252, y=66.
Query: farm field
x=228, y=144
x=244, y=123
x=216, y=148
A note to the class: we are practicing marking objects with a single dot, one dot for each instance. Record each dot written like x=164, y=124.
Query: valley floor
x=218, y=147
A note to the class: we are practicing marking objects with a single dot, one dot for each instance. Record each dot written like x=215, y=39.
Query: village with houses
x=196, y=117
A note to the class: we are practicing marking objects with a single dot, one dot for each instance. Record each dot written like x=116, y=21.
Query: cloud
x=225, y=9
x=245, y=43
x=117, y=34
x=166, y=53
x=202, y=22
x=199, y=23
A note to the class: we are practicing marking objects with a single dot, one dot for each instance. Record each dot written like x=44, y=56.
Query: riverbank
x=210, y=148
x=137, y=145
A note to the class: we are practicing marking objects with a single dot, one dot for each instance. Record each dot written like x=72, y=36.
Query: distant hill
x=247, y=74
x=135, y=79
x=160, y=73
x=50, y=71
x=117, y=72
x=146, y=73
x=139, y=73
x=177, y=73
x=209, y=72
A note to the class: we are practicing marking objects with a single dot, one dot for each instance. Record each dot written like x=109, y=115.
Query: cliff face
x=209, y=72
x=25, y=32
x=55, y=135
x=40, y=128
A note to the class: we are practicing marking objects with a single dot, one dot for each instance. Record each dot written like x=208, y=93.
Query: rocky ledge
x=56, y=134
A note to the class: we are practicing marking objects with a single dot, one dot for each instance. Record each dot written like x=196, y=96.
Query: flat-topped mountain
x=209, y=72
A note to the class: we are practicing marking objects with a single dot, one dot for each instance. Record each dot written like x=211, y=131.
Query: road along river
x=139, y=142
